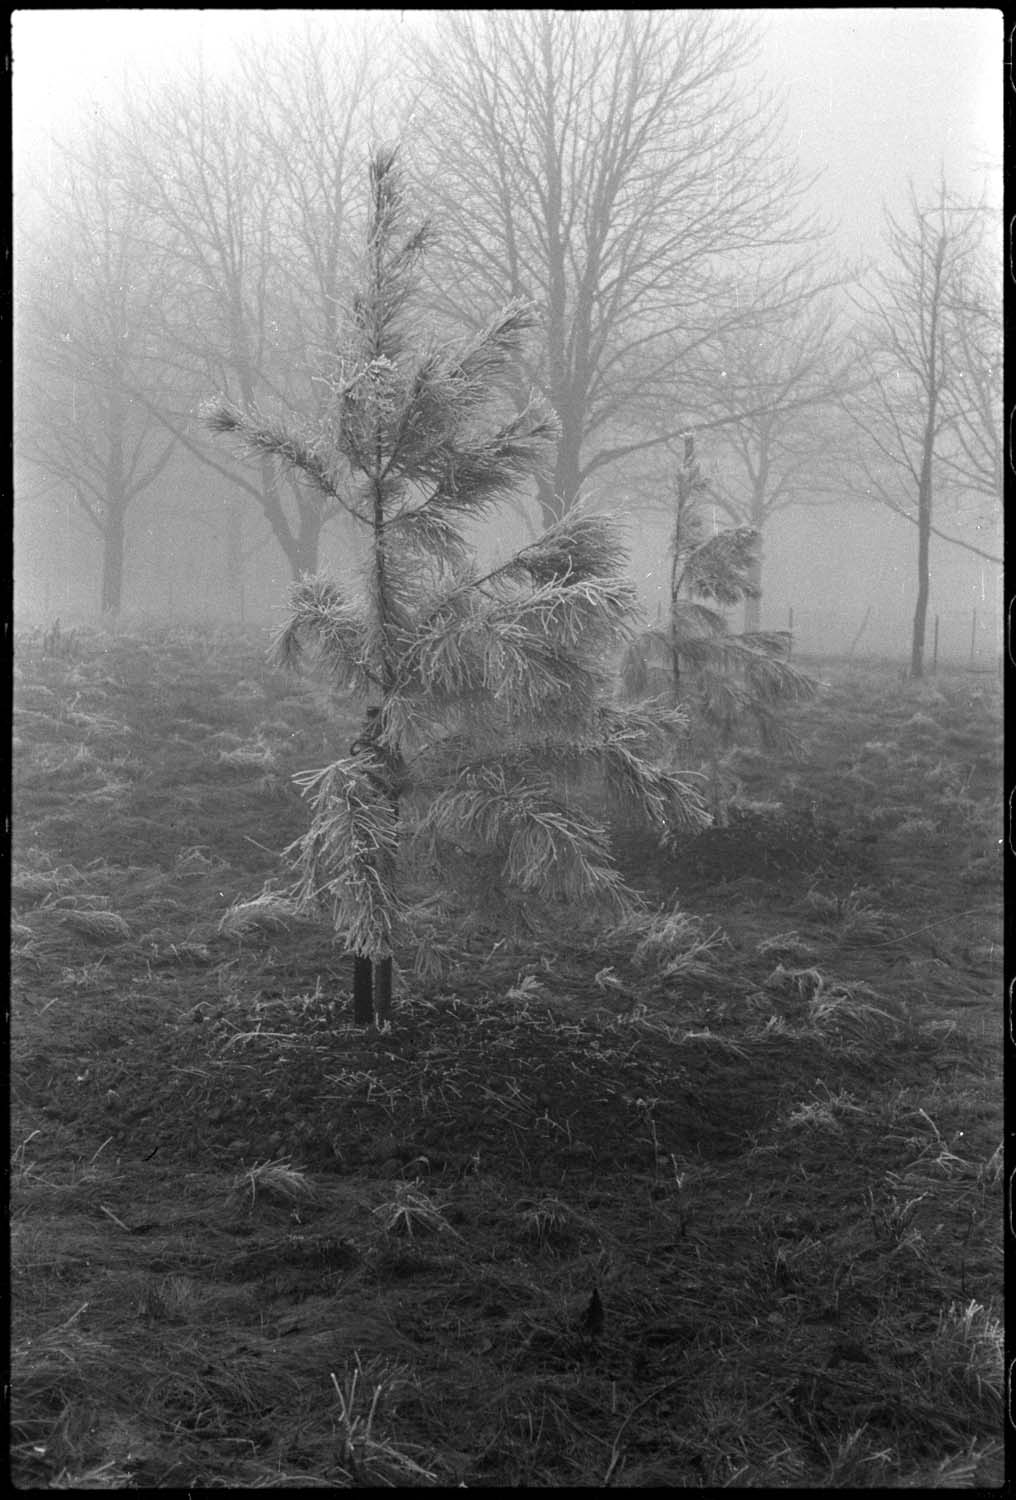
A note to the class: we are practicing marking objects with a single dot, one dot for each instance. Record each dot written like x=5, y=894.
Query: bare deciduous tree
x=618, y=169
x=779, y=384
x=247, y=182
x=918, y=410
x=87, y=284
x=974, y=464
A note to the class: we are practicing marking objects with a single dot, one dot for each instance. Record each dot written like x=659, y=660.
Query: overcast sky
x=874, y=96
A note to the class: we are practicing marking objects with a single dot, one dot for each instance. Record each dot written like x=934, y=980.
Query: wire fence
x=957, y=637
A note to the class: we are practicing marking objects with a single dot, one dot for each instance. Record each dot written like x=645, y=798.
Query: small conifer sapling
x=490, y=746
x=733, y=686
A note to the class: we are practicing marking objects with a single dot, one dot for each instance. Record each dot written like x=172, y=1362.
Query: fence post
x=934, y=652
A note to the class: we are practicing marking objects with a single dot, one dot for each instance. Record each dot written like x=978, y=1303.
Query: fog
x=873, y=106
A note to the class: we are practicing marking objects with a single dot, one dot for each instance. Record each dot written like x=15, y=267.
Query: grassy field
x=712, y=1204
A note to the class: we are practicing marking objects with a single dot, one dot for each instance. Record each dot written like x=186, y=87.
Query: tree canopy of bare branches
x=88, y=281
x=247, y=185
x=618, y=169
x=929, y=412
x=779, y=383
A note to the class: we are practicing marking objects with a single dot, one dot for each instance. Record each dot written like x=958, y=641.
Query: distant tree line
x=621, y=171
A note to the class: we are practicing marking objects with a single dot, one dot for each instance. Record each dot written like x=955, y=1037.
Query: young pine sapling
x=490, y=745
x=733, y=686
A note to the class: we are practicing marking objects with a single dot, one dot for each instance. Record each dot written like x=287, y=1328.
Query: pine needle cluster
x=490, y=750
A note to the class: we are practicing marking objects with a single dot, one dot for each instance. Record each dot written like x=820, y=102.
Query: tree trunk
x=567, y=468
x=757, y=517
x=675, y=654
x=923, y=570
x=308, y=539
x=112, y=562
x=363, y=990
x=753, y=602
x=557, y=492
x=935, y=375
x=686, y=477
x=234, y=553
x=115, y=510
x=301, y=552
x=299, y=542
x=383, y=989
x=924, y=506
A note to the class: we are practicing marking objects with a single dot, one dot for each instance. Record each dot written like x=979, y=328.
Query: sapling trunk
x=372, y=989
x=383, y=989
x=363, y=990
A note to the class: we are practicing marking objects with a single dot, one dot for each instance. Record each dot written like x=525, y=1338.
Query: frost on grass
x=672, y=945
x=268, y=912
x=786, y=945
x=276, y=1182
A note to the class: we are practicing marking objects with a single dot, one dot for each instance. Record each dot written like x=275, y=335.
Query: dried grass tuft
x=265, y=913
x=274, y=1181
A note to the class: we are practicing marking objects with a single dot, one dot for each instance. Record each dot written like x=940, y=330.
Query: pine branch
x=525, y=650
x=259, y=435
x=720, y=567
x=472, y=476
x=345, y=862
x=663, y=800
x=495, y=350
x=544, y=846
x=331, y=628
x=464, y=382
x=572, y=549
x=694, y=623
x=429, y=534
